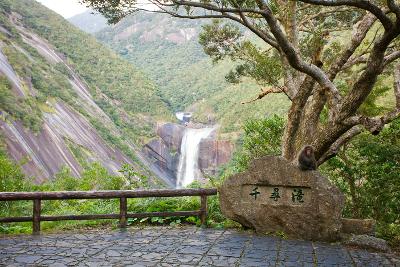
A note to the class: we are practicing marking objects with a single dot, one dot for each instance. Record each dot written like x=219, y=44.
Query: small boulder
x=368, y=242
x=358, y=226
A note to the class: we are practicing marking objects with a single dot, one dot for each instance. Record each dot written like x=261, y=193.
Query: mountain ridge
x=96, y=23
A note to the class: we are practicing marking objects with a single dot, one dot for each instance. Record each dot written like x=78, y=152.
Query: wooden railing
x=123, y=195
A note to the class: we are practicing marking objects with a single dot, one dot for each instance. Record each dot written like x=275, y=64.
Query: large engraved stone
x=276, y=196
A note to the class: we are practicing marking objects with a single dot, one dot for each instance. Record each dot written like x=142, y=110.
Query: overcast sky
x=66, y=8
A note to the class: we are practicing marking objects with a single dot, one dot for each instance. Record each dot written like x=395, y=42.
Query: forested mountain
x=170, y=55
x=168, y=50
x=96, y=22
x=66, y=100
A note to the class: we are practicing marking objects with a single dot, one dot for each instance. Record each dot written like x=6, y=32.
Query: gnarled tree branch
x=359, y=32
x=267, y=91
x=391, y=57
x=294, y=59
x=345, y=138
x=363, y=86
x=362, y=4
x=394, y=8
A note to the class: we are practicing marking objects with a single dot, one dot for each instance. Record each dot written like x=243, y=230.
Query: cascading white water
x=188, y=170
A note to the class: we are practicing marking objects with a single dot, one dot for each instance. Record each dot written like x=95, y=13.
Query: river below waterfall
x=188, y=170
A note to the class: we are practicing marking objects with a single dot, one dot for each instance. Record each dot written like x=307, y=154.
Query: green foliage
x=11, y=177
x=62, y=68
x=220, y=40
x=11, y=180
x=214, y=218
x=232, y=115
x=371, y=106
x=262, y=66
x=5, y=5
x=367, y=170
x=165, y=204
x=261, y=137
x=52, y=84
x=23, y=109
x=133, y=178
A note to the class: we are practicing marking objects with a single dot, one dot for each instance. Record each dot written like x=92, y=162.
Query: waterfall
x=188, y=170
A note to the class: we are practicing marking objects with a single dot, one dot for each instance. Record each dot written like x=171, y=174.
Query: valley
x=167, y=49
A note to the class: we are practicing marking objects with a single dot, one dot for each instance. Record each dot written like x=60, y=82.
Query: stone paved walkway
x=188, y=246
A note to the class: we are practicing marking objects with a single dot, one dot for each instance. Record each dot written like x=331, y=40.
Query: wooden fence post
x=203, y=210
x=36, y=216
x=123, y=212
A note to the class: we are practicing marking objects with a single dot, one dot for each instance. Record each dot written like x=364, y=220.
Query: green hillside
x=186, y=77
x=171, y=56
x=112, y=81
x=97, y=65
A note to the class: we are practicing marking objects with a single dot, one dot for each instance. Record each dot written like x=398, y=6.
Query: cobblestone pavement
x=188, y=246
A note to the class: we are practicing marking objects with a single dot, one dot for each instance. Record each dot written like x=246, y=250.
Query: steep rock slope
x=65, y=100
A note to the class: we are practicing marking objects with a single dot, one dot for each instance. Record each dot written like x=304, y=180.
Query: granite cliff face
x=49, y=150
x=72, y=132
x=165, y=151
x=171, y=134
x=214, y=153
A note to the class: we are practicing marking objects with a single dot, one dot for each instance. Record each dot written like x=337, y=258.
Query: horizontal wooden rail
x=123, y=195
x=106, y=194
x=102, y=216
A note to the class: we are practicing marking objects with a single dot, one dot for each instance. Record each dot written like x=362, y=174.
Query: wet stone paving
x=187, y=246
